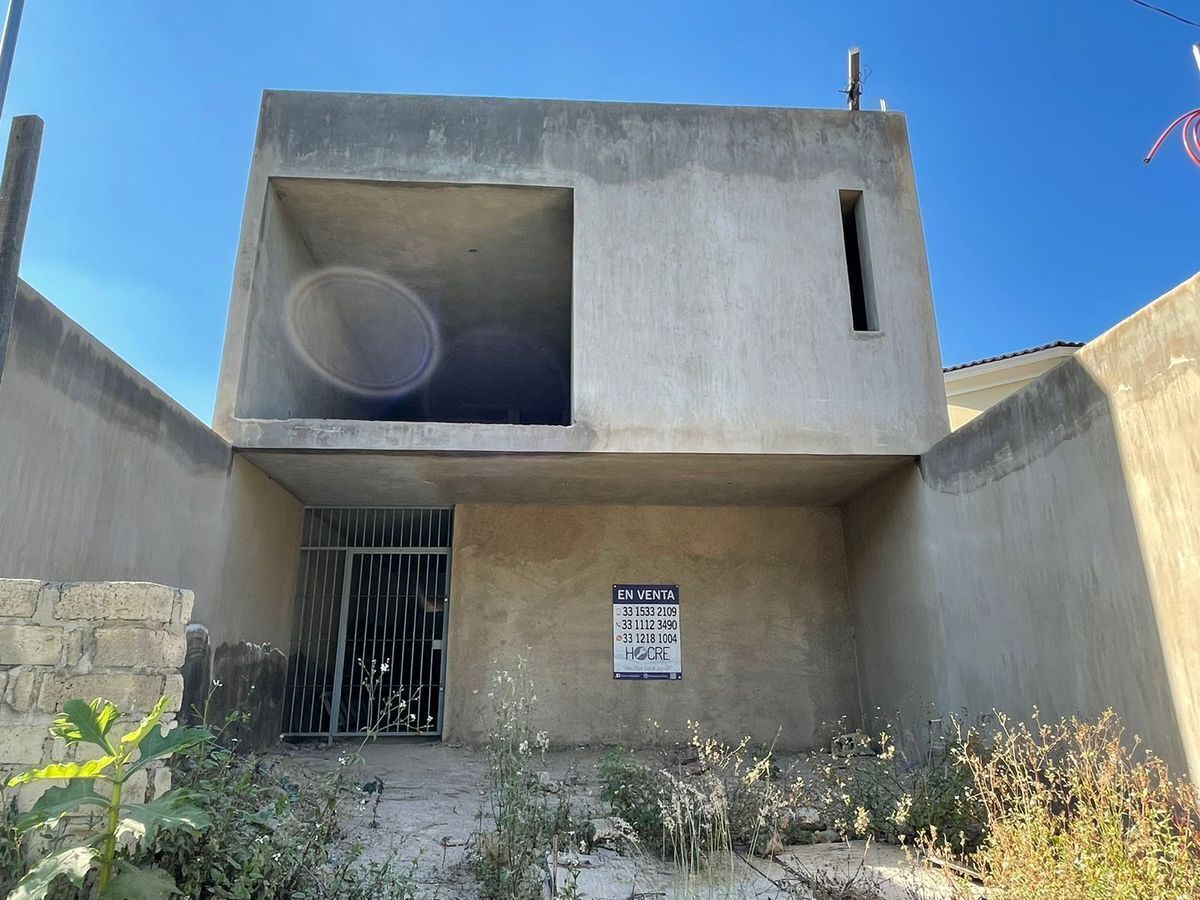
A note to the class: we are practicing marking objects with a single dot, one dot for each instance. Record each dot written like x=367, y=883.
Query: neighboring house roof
x=991, y=359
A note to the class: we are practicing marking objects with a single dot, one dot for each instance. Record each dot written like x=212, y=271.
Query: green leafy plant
x=635, y=793
x=121, y=820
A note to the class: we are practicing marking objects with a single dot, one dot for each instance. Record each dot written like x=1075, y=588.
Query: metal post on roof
x=854, y=87
x=8, y=44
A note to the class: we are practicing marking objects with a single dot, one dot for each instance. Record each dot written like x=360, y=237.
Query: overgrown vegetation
x=12, y=856
x=273, y=834
x=533, y=825
x=276, y=833
x=255, y=831
x=898, y=789
x=100, y=820
x=1064, y=811
x=1069, y=810
x=1075, y=811
x=704, y=799
x=635, y=793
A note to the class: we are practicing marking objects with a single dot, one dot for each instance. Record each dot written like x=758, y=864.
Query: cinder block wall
x=123, y=641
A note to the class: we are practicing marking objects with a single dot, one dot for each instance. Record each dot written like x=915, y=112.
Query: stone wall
x=123, y=641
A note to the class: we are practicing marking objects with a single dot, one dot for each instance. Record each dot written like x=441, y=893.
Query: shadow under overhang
x=374, y=478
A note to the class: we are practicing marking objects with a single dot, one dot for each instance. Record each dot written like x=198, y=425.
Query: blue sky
x=1029, y=121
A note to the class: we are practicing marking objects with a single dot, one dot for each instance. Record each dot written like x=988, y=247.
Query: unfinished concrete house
x=650, y=395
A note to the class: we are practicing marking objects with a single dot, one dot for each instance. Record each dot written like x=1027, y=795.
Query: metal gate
x=369, y=642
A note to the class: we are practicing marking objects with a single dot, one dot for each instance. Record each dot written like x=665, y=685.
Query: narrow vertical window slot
x=858, y=271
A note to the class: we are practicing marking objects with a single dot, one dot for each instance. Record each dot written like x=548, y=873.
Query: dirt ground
x=434, y=801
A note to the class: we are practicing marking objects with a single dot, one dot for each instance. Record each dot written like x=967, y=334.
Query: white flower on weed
x=385, y=668
x=862, y=820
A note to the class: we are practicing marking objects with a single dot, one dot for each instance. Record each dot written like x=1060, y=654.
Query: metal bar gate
x=369, y=638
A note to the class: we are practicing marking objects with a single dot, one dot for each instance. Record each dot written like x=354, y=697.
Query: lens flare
x=362, y=331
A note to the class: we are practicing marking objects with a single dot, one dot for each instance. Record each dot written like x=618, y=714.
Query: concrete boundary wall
x=105, y=478
x=120, y=641
x=1046, y=553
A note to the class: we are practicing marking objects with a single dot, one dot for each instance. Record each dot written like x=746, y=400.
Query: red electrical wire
x=1190, y=132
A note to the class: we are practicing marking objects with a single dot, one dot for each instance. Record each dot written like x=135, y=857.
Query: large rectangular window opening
x=862, y=288
x=412, y=302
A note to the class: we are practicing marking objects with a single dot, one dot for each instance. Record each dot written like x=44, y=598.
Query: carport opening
x=413, y=302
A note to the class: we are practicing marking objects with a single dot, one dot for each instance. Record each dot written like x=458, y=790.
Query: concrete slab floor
x=435, y=799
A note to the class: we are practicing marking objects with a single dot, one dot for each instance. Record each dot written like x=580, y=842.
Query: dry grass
x=1075, y=811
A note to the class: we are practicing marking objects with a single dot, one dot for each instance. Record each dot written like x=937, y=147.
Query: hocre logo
x=646, y=654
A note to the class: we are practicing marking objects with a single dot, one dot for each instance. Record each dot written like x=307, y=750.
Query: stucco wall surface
x=103, y=477
x=708, y=271
x=1046, y=553
x=765, y=625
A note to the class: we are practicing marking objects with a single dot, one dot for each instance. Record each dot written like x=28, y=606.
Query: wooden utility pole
x=854, y=88
x=16, y=194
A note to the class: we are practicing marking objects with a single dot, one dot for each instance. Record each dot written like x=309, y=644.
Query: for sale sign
x=646, y=632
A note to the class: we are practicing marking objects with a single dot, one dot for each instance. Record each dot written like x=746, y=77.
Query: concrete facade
x=1044, y=554
x=765, y=625
x=708, y=297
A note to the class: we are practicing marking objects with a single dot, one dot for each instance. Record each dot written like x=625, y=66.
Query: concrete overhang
x=333, y=478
